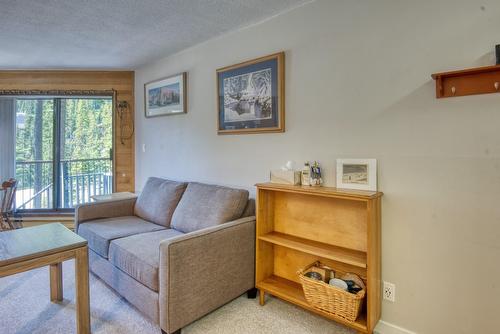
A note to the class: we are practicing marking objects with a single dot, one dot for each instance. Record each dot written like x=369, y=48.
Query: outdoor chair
x=7, y=195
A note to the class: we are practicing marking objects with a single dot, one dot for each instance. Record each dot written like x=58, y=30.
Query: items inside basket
x=333, y=291
x=346, y=281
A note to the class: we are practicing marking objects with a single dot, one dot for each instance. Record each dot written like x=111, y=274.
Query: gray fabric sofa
x=177, y=252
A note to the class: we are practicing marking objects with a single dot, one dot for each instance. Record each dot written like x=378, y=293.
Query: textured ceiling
x=117, y=33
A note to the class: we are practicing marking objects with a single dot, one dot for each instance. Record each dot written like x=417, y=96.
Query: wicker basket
x=329, y=298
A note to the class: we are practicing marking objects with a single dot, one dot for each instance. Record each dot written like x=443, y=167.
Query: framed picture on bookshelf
x=360, y=174
x=250, y=96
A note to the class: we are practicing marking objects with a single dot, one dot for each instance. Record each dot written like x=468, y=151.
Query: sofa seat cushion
x=139, y=255
x=158, y=200
x=100, y=232
x=204, y=205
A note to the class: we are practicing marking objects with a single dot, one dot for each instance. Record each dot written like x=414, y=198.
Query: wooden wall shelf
x=479, y=80
x=297, y=225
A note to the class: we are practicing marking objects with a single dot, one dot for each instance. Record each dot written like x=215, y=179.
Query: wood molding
x=56, y=92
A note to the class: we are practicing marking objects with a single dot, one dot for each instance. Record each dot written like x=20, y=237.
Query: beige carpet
x=25, y=308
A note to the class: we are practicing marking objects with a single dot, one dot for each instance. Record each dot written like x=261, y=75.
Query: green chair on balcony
x=7, y=195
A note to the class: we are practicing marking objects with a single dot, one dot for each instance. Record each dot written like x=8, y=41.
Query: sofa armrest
x=107, y=209
x=202, y=270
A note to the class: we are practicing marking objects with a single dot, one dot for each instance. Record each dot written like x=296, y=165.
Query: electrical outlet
x=389, y=291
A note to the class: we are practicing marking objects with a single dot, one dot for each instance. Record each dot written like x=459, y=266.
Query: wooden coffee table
x=50, y=245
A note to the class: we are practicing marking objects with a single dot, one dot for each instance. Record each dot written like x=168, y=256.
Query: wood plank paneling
x=120, y=81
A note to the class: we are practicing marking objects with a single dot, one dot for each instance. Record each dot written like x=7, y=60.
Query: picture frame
x=251, y=96
x=359, y=174
x=166, y=96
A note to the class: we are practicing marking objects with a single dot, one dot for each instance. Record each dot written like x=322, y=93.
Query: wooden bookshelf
x=297, y=225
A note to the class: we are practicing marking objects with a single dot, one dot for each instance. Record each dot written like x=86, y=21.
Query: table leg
x=82, y=291
x=262, y=297
x=56, y=283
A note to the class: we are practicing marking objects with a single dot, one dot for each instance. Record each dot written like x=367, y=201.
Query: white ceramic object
x=339, y=283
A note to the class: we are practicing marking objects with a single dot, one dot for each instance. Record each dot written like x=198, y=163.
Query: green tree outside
x=86, y=133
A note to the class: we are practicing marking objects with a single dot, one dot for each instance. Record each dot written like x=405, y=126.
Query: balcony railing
x=80, y=179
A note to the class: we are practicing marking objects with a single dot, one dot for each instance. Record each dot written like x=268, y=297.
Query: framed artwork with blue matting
x=250, y=96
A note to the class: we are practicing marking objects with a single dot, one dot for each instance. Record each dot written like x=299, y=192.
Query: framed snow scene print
x=251, y=96
x=360, y=174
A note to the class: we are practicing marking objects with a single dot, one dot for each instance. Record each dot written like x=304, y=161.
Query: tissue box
x=285, y=176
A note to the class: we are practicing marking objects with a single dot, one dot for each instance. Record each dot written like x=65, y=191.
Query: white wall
x=358, y=85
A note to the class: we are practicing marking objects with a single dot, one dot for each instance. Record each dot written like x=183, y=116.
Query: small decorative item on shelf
x=285, y=175
x=360, y=174
x=316, y=179
x=306, y=174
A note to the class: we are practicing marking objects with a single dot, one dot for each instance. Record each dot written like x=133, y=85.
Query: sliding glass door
x=34, y=153
x=63, y=151
x=86, y=139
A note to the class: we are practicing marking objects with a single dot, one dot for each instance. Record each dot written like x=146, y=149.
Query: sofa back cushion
x=204, y=205
x=158, y=200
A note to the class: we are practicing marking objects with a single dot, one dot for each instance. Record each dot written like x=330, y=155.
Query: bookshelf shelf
x=344, y=255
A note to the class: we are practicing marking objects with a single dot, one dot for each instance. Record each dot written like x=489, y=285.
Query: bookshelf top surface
x=321, y=191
